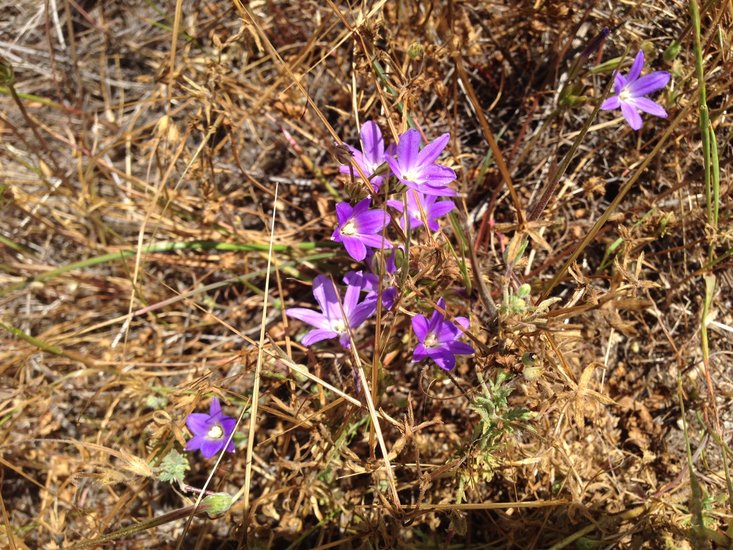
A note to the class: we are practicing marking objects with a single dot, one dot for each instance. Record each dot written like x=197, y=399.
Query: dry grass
x=137, y=185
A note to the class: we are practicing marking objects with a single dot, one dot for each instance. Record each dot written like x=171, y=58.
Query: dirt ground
x=168, y=178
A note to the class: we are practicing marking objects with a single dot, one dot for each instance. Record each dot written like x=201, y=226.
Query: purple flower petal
x=313, y=318
x=215, y=407
x=361, y=207
x=462, y=322
x=420, y=353
x=420, y=327
x=365, y=281
x=210, y=447
x=460, y=348
x=228, y=424
x=397, y=205
x=636, y=66
x=446, y=332
x=351, y=298
x=318, y=335
x=345, y=340
x=362, y=312
x=438, y=175
x=389, y=297
x=198, y=423
x=437, y=317
x=354, y=247
x=372, y=143
x=375, y=241
x=432, y=150
x=611, y=104
x=377, y=182
x=443, y=358
x=439, y=210
x=372, y=221
x=349, y=170
x=343, y=212
x=429, y=189
x=408, y=149
x=324, y=291
x=618, y=83
x=648, y=106
x=648, y=83
x=631, y=115
x=194, y=444
x=394, y=166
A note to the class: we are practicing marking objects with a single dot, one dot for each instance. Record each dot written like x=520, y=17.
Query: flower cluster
x=414, y=201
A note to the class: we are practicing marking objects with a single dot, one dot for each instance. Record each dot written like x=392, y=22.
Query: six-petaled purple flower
x=337, y=317
x=439, y=338
x=416, y=168
x=210, y=431
x=371, y=157
x=630, y=92
x=359, y=227
x=431, y=207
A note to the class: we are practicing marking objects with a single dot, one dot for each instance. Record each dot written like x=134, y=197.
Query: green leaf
x=173, y=467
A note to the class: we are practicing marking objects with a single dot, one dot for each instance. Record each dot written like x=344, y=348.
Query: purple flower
x=372, y=157
x=333, y=322
x=432, y=208
x=369, y=282
x=439, y=338
x=359, y=227
x=630, y=91
x=417, y=169
x=210, y=431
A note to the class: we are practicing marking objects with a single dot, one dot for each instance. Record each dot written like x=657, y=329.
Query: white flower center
x=624, y=94
x=349, y=228
x=338, y=325
x=411, y=175
x=431, y=341
x=215, y=432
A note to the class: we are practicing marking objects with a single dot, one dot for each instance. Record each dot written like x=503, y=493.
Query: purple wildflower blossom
x=432, y=208
x=210, y=431
x=417, y=169
x=333, y=322
x=631, y=89
x=439, y=338
x=359, y=227
x=372, y=157
x=369, y=282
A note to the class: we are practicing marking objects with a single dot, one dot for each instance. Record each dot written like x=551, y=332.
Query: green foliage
x=497, y=419
x=156, y=402
x=173, y=467
x=516, y=302
x=672, y=51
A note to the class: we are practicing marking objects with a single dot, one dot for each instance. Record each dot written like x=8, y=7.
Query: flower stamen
x=215, y=432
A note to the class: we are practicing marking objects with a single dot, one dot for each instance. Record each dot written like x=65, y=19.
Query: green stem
x=710, y=152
